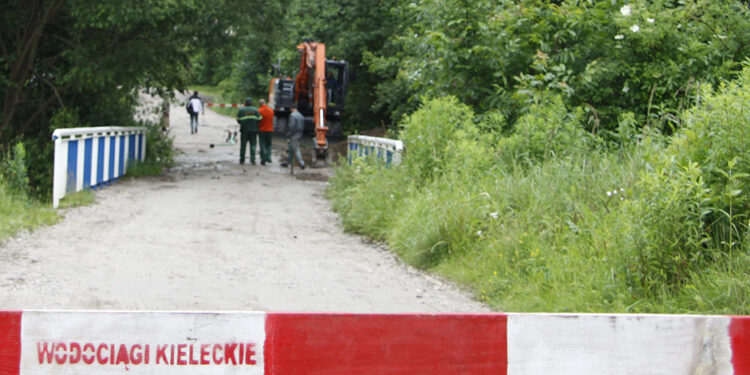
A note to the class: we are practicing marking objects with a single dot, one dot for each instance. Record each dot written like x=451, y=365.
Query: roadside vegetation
x=588, y=157
x=550, y=219
x=17, y=210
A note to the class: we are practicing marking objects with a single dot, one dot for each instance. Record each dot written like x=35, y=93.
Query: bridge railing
x=93, y=157
x=389, y=150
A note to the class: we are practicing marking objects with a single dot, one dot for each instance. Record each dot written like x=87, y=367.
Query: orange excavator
x=318, y=90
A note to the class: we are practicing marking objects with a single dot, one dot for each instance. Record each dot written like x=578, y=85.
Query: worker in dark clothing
x=266, y=132
x=333, y=88
x=294, y=133
x=248, y=117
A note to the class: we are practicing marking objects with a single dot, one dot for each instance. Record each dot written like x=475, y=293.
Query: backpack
x=189, y=107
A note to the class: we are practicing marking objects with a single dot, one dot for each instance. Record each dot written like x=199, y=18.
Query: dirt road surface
x=213, y=235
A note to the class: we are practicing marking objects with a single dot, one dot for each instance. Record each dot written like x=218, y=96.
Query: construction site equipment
x=318, y=91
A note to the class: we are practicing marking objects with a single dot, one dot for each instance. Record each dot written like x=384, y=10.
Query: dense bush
x=540, y=217
x=646, y=57
x=693, y=206
x=439, y=137
x=548, y=129
x=13, y=169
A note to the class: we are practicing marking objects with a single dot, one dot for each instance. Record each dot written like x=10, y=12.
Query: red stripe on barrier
x=10, y=342
x=385, y=344
x=223, y=105
x=739, y=330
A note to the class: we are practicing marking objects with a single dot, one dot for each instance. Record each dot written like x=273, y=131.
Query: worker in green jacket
x=248, y=118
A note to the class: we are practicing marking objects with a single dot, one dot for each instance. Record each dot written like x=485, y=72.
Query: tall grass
x=18, y=212
x=547, y=218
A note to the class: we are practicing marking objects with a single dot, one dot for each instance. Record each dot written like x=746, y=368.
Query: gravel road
x=214, y=235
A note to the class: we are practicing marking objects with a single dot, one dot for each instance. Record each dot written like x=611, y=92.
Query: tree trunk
x=36, y=15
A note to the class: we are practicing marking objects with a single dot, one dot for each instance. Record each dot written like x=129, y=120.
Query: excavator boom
x=313, y=61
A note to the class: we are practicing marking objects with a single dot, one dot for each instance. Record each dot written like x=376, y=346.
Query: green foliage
x=367, y=197
x=693, y=205
x=667, y=233
x=13, y=169
x=79, y=198
x=438, y=137
x=646, y=57
x=548, y=129
x=18, y=212
x=560, y=223
x=81, y=62
x=716, y=138
x=159, y=152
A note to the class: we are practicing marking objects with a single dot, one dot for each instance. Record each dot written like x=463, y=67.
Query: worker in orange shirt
x=265, y=134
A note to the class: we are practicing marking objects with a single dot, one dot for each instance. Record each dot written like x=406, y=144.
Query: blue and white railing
x=92, y=157
x=389, y=150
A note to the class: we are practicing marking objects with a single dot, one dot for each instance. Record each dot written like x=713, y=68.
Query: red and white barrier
x=224, y=105
x=79, y=342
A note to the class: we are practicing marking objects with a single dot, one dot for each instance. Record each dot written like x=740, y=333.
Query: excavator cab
x=336, y=82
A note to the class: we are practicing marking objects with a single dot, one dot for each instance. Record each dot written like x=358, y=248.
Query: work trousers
x=245, y=136
x=294, y=149
x=265, y=139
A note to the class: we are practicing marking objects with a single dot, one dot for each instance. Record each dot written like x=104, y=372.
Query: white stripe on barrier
x=106, y=173
x=73, y=164
x=94, y=161
x=618, y=344
x=127, y=151
x=116, y=172
x=79, y=165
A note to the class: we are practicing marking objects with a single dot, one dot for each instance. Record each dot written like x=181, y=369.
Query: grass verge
x=17, y=212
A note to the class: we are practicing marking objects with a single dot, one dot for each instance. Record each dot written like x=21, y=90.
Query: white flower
x=625, y=10
x=625, y=88
x=622, y=190
x=614, y=191
x=635, y=28
x=619, y=37
x=609, y=193
x=479, y=233
x=650, y=20
x=391, y=196
x=493, y=215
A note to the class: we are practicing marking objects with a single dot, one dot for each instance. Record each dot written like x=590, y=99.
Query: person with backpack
x=194, y=106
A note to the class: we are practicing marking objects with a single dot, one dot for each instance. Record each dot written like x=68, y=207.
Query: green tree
x=84, y=60
x=647, y=57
